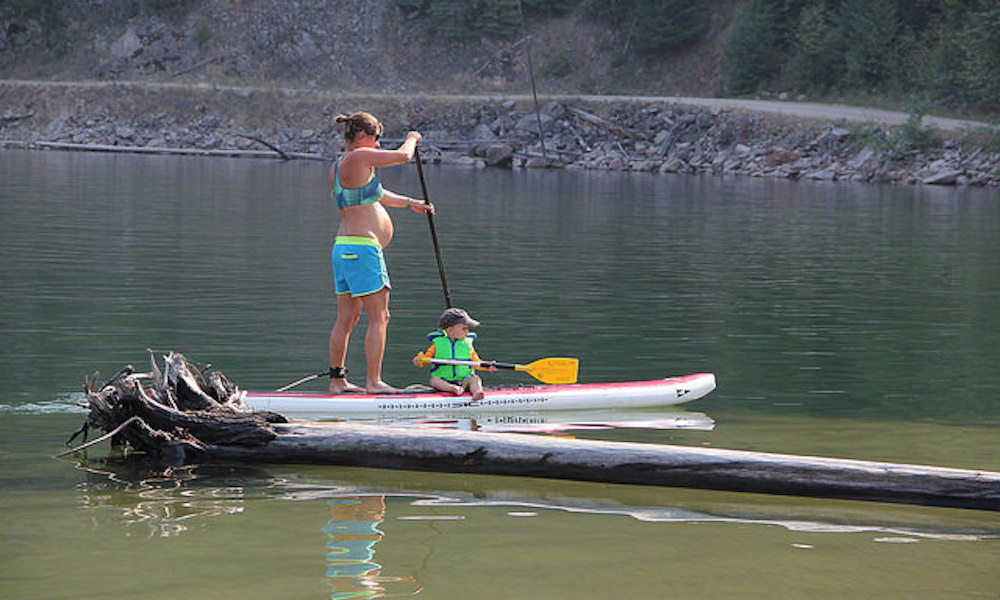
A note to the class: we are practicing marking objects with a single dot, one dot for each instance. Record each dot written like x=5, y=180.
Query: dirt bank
x=654, y=134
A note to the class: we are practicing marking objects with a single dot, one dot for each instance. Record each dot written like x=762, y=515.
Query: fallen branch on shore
x=10, y=118
x=198, y=65
x=280, y=152
x=179, y=414
x=504, y=55
x=606, y=124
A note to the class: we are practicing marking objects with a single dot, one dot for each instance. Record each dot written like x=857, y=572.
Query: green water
x=848, y=321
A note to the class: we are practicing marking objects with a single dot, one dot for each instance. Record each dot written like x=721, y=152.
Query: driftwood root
x=172, y=409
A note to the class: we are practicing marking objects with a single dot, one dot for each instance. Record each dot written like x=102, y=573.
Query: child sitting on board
x=454, y=341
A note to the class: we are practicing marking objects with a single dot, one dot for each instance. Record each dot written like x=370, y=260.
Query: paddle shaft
x=474, y=363
x=434, y=237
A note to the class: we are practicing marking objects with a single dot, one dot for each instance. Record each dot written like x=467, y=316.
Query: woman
x=360, y=276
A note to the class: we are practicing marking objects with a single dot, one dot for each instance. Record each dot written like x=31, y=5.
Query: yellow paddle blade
x=553, y=370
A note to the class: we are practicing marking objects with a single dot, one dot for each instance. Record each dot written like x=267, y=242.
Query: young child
x=454, y=341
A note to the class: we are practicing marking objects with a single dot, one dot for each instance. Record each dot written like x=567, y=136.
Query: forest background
x=910, y=53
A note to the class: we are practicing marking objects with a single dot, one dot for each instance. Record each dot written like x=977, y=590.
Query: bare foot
x=457, y=390
x=381, y=387
x=343, y=386
x=478, y=396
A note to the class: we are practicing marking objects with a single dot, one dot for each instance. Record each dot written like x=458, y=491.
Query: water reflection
x=353, y=532
x=164, y=500
x=556, y=421
x=658, y=514
x=363, y=533
x=169, y=501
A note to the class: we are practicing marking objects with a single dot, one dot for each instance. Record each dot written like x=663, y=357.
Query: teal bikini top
x=369, y=194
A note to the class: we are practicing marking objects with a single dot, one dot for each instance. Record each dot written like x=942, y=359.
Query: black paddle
x=434, y=237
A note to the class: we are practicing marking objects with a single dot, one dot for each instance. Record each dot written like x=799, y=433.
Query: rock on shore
x=614, y=134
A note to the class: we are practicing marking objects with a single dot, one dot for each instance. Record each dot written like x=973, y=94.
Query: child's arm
x=429, y=353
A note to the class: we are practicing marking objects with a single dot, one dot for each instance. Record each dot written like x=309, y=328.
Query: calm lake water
x=840, y=320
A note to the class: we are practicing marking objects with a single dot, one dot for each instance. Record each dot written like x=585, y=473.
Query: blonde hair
x=357, y=123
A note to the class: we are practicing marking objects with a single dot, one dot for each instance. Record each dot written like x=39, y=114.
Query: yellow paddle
x=546, y=370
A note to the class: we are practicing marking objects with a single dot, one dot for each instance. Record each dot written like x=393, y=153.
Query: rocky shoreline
x=616, y=134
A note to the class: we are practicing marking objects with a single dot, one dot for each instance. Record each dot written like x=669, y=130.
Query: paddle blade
x=553, y=370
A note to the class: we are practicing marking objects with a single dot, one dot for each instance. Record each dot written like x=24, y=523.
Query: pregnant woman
x=360, y=275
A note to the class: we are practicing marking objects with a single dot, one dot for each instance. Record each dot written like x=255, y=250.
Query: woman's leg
x=377, y=309
x=348, y=313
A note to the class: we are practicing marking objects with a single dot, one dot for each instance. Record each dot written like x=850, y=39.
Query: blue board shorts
x=358, y=266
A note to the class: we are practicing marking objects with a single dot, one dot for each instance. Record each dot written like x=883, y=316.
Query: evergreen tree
x=453, y=19
x=669, y=25
x=498, y=17
x=815, y=64
x=616, y=13
x=752, y=56
x=870, y=32
x=981, y=46
x=548, y=7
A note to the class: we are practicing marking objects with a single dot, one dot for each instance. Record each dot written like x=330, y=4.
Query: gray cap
x=456, y=315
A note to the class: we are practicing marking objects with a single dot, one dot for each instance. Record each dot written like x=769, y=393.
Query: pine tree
x=669, y=25
x=752, y=50
x=870, y=32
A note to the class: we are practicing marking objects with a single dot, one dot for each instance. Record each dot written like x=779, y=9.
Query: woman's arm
x=377, y=157
x=390, y=198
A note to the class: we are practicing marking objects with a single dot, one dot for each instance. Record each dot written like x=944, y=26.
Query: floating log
x=180, y=151
x=366, y=445
x=181, y=415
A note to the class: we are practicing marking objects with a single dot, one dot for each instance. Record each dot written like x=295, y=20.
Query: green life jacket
x=445, y=347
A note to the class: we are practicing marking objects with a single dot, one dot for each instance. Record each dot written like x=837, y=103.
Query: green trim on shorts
x=356, y=240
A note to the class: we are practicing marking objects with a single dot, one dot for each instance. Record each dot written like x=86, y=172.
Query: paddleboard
x=581, y=396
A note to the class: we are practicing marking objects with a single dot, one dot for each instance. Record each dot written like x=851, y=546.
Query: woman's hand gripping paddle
x=547, y=370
